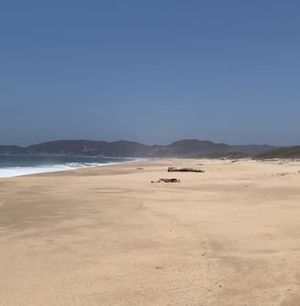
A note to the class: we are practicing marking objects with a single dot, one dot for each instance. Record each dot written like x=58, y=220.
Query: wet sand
x=107, y=236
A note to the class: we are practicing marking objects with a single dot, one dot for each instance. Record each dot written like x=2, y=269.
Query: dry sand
x=107, y=236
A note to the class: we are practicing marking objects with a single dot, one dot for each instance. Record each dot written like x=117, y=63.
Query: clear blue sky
x=151, y=71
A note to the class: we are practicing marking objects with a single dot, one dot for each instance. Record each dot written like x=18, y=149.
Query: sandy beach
x=107, y=236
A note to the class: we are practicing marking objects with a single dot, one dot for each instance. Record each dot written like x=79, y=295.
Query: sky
x=150, y=71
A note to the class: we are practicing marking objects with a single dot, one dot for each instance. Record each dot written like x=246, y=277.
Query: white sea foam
x=12, y=171
x=18, y=171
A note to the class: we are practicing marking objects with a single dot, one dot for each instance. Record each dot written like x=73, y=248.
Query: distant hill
x=12, y=150
x=190, y=147
x=92, y=148
x=252, y=149
x=123, y=148
x=285, y=152
x=205, y=148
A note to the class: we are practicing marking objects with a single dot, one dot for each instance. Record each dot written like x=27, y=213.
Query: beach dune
x=107, y=236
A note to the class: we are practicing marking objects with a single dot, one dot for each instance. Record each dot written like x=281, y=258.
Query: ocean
x=16, y=165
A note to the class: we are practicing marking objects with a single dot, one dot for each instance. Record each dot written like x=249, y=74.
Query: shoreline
x=51, y=168
x=26, y=171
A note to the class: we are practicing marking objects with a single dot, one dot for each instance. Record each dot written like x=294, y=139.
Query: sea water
x=16, y=165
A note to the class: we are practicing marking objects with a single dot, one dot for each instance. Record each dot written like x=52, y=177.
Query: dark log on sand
x=167, y=180
x=178, y=169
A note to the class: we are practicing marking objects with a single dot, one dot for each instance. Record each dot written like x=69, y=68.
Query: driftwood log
x=179, y=169
x=167, y=180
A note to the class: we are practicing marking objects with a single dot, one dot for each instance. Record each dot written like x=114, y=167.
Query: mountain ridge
x=125, y=148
